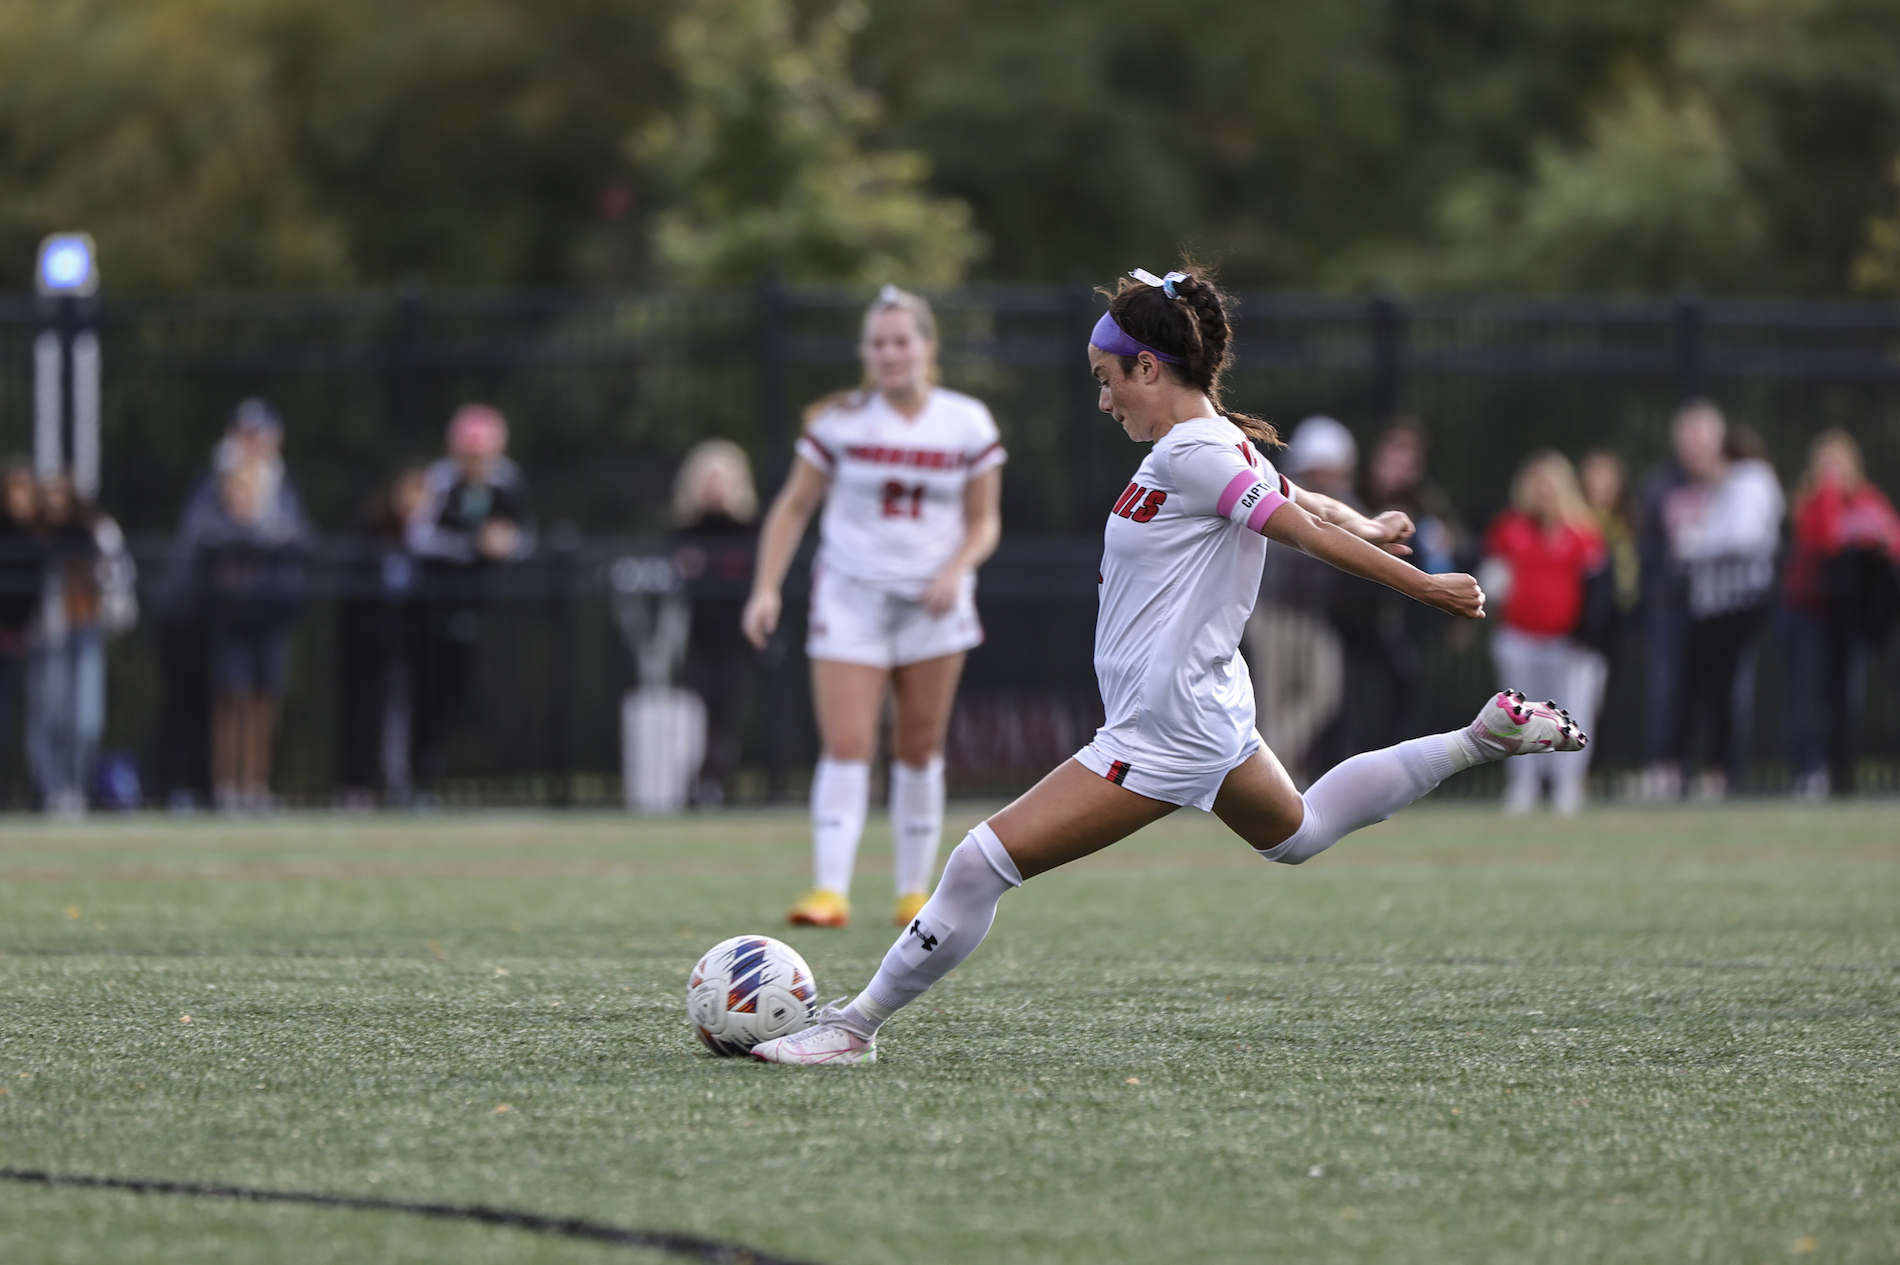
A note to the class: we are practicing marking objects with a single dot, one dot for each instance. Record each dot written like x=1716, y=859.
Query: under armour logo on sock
x=923, y=937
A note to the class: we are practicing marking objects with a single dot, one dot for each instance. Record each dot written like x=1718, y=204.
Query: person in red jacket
x=1838, y=596
x=1538, y=553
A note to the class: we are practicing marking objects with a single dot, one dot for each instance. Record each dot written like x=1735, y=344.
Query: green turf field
x=1665, y=1036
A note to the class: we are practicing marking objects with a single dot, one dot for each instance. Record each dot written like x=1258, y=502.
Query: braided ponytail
x=1193, y=325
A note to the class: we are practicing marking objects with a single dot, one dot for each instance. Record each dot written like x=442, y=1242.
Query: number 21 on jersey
x=1139, y=503
x=901, y=501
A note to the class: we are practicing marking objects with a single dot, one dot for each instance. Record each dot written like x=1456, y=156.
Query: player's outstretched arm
x=778, y=540
x=1389, y=530
x=1291, y=524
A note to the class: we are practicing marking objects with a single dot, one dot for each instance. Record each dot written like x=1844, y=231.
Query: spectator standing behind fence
x=1724, y=529
x=1840, y=598
x=473, y=517
x=253, y=437
x=87, y=594
x=1612, y=593
x=1695, y=439
x=714, y=506
x=1539, y=555
x=244, y=551
x=376, y=633
x=1294, y=654
x=1380, y=659
x=1396, y=479
x=21, y=564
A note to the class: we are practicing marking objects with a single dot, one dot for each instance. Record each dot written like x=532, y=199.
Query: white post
x=47, y=397
x=86, y=414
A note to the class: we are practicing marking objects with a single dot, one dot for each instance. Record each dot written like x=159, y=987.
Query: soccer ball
x=749, y=989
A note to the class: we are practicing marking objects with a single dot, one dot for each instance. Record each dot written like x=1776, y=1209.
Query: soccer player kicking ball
x=1181, y=565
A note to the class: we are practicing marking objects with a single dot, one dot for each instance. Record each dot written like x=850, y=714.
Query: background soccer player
x=910, y=477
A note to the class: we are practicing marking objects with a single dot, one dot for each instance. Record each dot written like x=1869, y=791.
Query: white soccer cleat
x=826, y=1043
x=1511, y=724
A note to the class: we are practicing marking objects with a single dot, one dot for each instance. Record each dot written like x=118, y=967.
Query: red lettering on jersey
x=1129, y=493
x=915, y=458
x=1149, y=508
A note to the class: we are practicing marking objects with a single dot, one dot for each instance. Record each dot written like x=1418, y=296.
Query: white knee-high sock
x=1371, y=787
x=945, y=932
x=840, y=795
x=916, y=822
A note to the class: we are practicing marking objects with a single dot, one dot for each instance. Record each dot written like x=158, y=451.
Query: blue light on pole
x=68, y=265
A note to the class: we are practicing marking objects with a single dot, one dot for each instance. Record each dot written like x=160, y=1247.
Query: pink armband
x=1250, y=500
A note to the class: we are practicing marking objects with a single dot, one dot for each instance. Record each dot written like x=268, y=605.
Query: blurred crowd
x=1670, y=586
x=1677, y=582
x=66, y=587
x=411, y=612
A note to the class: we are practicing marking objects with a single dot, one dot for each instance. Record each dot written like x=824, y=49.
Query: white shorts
x=1188, y=788
x=854, y=622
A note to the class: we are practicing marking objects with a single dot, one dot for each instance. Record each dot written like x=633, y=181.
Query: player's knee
x=1298, y=845
x=918, y=752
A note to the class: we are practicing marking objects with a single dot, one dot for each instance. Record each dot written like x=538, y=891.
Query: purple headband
x=1116, y=341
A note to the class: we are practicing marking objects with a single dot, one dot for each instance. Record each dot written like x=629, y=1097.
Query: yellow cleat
x=907, y=907
x=821, y=908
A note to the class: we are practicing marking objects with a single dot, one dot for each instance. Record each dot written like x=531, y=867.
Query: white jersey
x=894, y=515
x=1181, y=563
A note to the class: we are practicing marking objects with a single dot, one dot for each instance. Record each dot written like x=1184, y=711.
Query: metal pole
x=1078, y=321
x=407, y=362
x=1386, y=332
x=774, y=409
x=49, y=357
x=1688, y=339
x=85, y=399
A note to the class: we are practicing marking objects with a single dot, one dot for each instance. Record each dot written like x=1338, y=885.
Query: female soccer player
x=1180, y=566
x=910, y=476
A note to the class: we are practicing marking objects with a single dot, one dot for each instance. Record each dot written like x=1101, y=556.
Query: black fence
x=605, y=392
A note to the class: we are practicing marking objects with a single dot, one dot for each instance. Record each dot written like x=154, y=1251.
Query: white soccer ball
x=750, y=989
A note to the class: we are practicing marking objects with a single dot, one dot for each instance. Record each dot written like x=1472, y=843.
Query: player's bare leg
x=923, y=695
x=1068, y=815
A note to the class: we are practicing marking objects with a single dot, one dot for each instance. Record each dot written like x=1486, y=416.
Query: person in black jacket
x=714, y=505
x=473, y=517
x=375, y=646
x=21, y=565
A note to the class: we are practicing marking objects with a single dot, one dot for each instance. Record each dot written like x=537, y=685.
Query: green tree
x=214, y=144
x=1876, y=268
x=154, y=127
x=1751, y=159
x=765, y=164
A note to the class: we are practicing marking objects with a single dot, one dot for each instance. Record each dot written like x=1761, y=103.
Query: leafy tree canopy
x=1532, y=144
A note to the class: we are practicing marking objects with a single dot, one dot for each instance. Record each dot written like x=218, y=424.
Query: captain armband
x=1250, y=500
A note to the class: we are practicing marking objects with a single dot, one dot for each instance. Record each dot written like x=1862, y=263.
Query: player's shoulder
x=840, y=409
x=1199, y=431
x=1201, y=434
x=960, y=407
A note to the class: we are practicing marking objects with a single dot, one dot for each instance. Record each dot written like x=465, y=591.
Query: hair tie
x=1163, y=284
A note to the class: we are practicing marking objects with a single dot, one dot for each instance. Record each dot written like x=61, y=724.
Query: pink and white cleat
x=827, y=1042
x=1511, y=724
